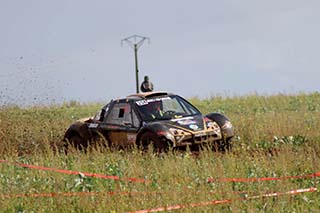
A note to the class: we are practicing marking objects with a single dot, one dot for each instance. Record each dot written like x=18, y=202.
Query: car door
x=122, y=124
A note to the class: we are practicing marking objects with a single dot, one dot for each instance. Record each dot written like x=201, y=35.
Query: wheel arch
x=155, y=129
x=142, y=132
x=79, y=128
x=224, y=123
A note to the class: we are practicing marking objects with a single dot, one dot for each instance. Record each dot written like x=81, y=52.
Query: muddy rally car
x=157, y=120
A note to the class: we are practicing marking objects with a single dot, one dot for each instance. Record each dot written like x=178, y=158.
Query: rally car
x=154, y=119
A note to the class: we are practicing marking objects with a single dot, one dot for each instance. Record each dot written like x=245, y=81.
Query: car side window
x=135, y=119
x=100, y=116
x=120, y=114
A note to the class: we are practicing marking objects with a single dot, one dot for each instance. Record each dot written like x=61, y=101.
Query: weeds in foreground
x=276, y=136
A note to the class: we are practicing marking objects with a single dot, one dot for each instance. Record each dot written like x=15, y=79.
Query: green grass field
x=276, y=136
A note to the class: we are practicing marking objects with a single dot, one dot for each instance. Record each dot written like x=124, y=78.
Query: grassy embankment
x=276, y=136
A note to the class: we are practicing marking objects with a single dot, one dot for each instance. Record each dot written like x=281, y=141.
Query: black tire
x=78, y=142
x=150, y=140
x=228, y=144
x=224, y=145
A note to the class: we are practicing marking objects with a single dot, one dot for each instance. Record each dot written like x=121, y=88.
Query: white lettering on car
x=147, y=101
x=180, y=119
x=93, y=125
x=186, y=122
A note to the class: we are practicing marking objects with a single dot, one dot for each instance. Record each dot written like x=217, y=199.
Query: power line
x=136, y=41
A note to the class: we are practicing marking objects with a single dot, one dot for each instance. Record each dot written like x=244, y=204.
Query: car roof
x=139, y=96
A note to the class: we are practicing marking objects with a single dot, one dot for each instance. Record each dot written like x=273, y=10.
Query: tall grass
x=275, y=136
x=265, y=120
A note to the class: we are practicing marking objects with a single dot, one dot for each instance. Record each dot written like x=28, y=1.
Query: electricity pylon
x=135, y=42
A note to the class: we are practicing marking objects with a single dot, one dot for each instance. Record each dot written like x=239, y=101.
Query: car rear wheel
x=150, y=140
x=78, y=142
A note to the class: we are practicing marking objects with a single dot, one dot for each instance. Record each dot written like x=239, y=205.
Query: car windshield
x=165, y=108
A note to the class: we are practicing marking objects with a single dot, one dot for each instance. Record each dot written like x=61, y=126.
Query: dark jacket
x=146, y=86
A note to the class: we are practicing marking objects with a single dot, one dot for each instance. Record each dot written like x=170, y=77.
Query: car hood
x=190, y=123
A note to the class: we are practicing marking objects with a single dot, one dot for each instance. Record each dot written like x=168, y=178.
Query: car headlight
x=227, y=125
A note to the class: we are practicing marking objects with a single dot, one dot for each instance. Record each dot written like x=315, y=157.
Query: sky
x=56, y=51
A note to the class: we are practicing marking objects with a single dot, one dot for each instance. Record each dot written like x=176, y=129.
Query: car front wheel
x=150, y=140
x=224, y=145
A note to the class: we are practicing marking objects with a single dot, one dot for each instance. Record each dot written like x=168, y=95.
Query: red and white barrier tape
x=71, y=194
x=75, y=194
x=148, y=181
x=76, y=172
x=291, y=192
x=167, y=208
x=215, y=202
x=175, y=207
x=262, y=178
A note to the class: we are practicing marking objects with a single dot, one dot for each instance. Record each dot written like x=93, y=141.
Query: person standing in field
x=146, y=85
